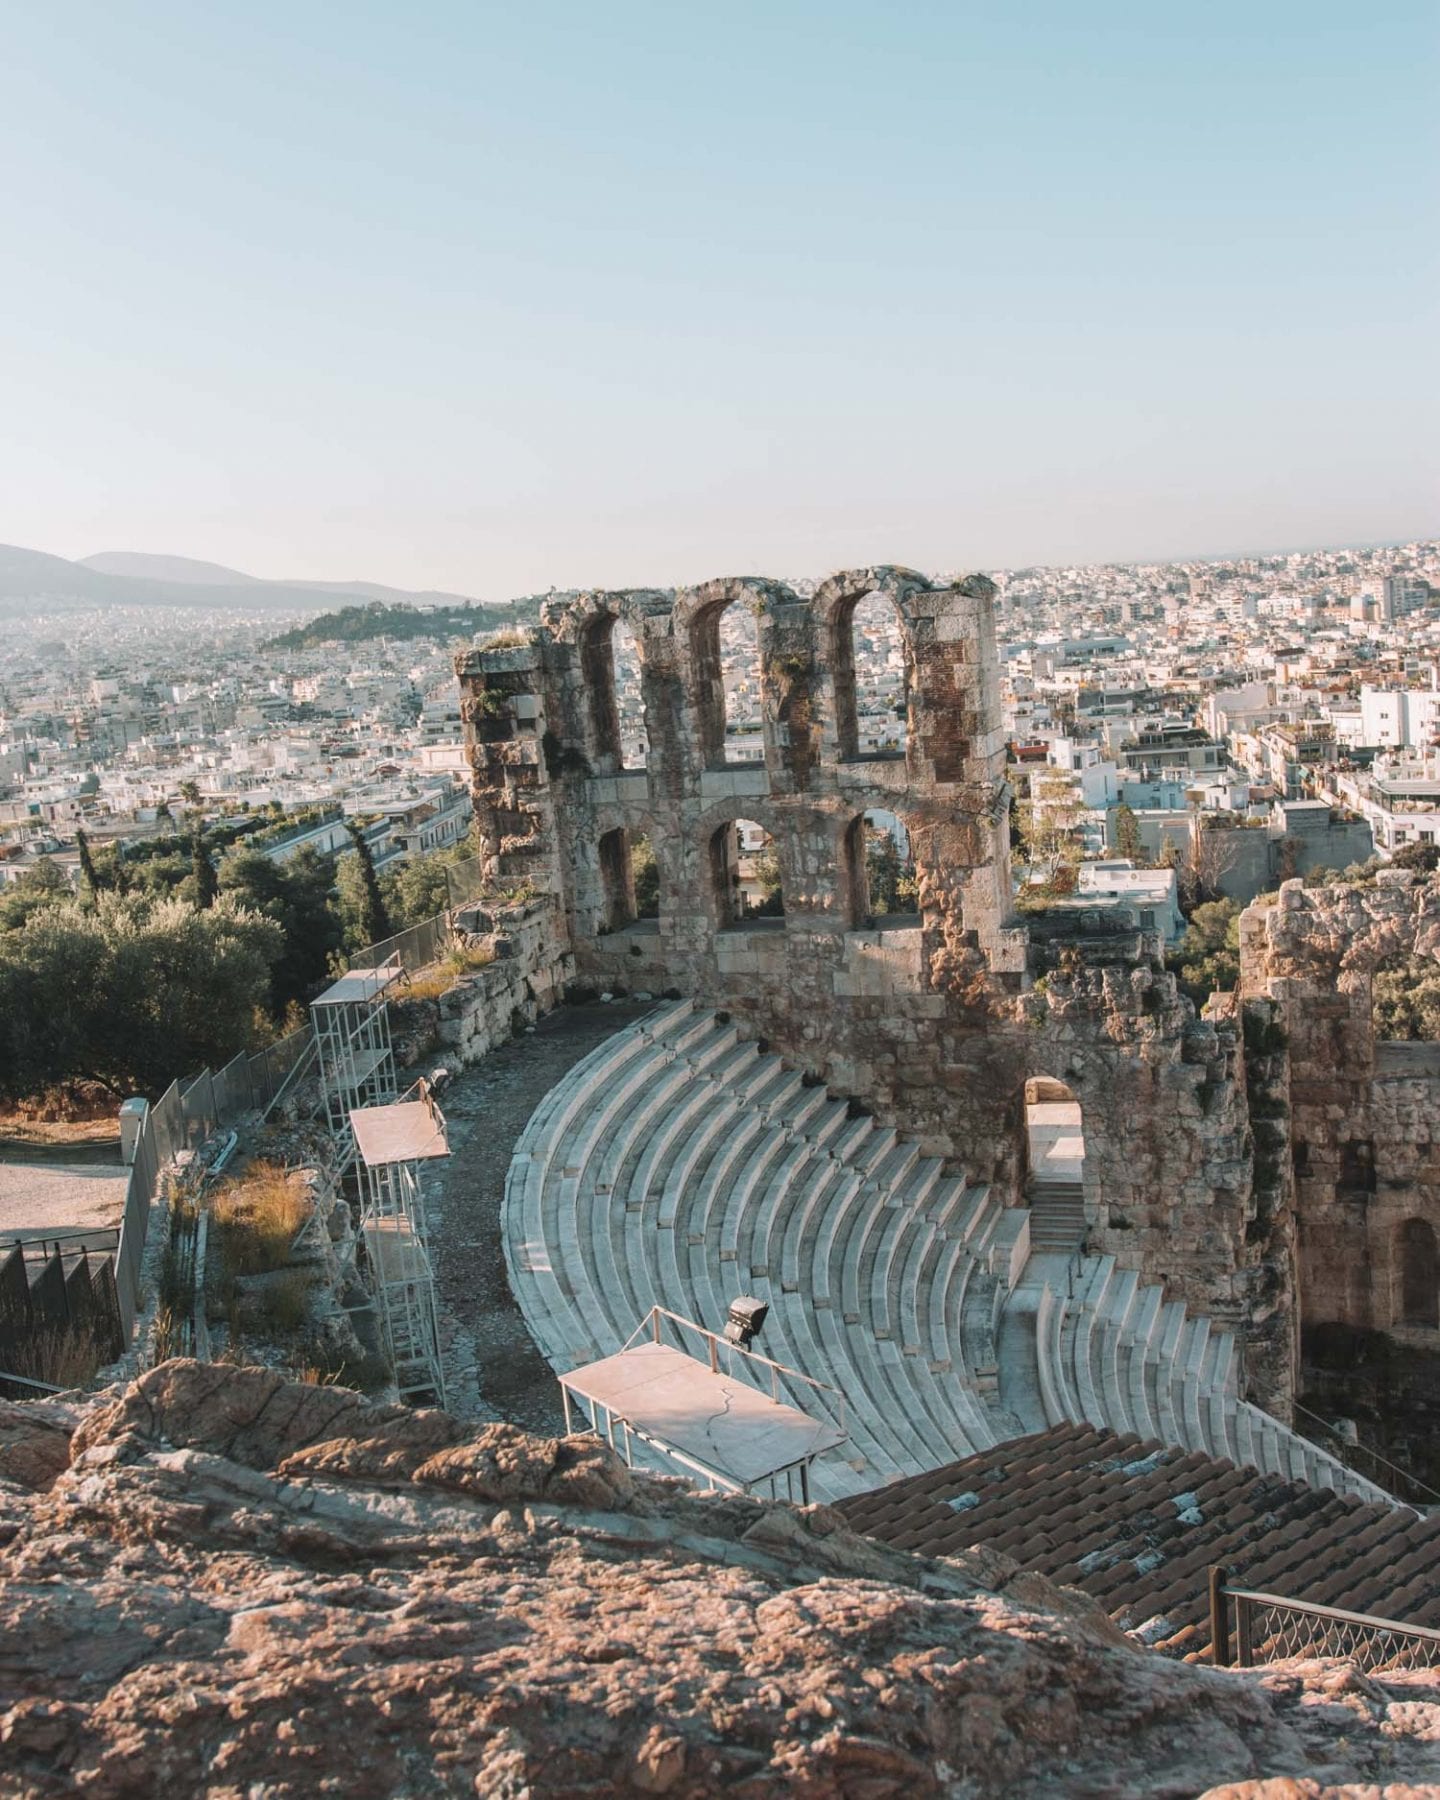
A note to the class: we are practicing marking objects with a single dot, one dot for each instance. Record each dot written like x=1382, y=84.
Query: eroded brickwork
x=935, y=1022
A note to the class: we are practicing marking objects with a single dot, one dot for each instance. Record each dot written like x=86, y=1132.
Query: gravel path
x=492, y=1367
x=37, y=1198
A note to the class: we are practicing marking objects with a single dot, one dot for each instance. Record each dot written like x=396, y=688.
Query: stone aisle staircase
x=678, y=1166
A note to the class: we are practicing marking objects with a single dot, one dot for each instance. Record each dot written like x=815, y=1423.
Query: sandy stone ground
x=492, y=1367
x=39, y=1198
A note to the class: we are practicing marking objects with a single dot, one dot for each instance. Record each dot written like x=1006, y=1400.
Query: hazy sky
x=495, y=298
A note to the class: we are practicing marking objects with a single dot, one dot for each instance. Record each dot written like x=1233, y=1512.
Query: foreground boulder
x=215, y=1598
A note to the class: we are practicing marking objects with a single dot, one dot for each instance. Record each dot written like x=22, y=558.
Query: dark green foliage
x=297, y=895
x=1127, y=833
x=361, y=624
x=87, y=865
x=207, y=885
x=130, y=992
x=42, y=885
x=364, y=913
x=1207, y=959
x=1406, y=997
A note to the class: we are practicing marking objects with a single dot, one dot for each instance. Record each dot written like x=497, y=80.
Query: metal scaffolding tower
x=352, y=1045
x=392, y=1142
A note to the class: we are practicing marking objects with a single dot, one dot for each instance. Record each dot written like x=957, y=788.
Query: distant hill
x=188, y=570
x=31, y=579
x=357, y=624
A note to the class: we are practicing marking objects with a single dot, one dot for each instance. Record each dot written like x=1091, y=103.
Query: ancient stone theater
x=991, y=1173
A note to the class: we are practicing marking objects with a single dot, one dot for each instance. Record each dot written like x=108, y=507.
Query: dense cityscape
x=1235, y=720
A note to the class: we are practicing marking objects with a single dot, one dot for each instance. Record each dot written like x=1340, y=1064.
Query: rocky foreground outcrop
x=219, y=1582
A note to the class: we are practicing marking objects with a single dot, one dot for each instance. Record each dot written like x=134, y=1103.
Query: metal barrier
x=1270, y=1627
x=414, y=949
x=186, y=1115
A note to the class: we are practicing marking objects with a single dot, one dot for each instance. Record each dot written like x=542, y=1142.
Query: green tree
x=363, y=911
x=1207, y=958
x=297, y=896
x=130, y=992
x=207, y=884
x=190, y=792
x=418, y=892
x=43, y=884
x=1405, y=996
x=1127, y=833
x=87, y=865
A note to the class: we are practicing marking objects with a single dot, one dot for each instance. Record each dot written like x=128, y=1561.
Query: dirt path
x=493, y=1369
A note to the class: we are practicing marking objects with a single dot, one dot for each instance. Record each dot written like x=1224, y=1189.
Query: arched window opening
x=726, y=646
x=617, y=881
x=597, y=672
x=1418, y=1257
x=872, y=682
x=629, y=700
x=644, y=876
x=1054, y=1165
x=891, y=892
x=629, y=879
x=746, y=875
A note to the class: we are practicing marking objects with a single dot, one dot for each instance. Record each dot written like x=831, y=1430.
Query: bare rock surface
x=241, y=1586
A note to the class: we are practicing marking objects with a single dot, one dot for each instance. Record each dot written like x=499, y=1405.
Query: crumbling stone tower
x=934, y=1022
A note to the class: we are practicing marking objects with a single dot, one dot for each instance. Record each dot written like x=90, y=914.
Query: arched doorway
x=726, y=645
x=870, y=665
x=1417, y=1261
x=1054, y=1165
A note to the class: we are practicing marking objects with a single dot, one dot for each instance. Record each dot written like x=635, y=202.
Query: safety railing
x=654, y=1324
x=1272, y=1627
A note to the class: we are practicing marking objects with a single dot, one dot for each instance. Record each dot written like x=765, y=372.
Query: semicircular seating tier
x=680, y=1165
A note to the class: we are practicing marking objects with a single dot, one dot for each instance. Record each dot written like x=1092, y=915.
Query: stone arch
x=597, y=674
x=1054, y=1132
x=835, y=605
x=617, y=882
x=1417, y=1274
x=700, y=613
x=888, y=868
x=746, y=883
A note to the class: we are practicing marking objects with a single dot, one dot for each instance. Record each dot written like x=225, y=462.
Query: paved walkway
x=492, y=1368
x=37, y=1198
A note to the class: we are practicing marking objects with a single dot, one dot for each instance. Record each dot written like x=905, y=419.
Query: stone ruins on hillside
x=936, y=1023
x=218, y=1582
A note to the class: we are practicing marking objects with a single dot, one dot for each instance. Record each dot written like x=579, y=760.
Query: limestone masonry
x=1197, y=1130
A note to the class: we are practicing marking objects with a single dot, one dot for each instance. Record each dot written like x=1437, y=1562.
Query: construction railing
x=1271, y=1627
x=182, y=1119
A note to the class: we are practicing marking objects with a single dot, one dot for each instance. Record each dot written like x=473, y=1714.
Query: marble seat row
x=680, y=1166
x=1110, y=1350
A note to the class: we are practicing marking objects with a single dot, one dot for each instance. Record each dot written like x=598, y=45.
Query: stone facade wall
x=525, y=981
x=935, y=1022
x=1363, y=1137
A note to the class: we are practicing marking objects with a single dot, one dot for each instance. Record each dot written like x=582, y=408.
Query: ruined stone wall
x=1363, y=1135
x=935, y=1022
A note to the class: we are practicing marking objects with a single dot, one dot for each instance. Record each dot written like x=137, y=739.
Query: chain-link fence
x=1270, y=1628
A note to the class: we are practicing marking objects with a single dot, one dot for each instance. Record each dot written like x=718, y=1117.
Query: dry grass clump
x=257, y=1216
x=443, y=975
x=66, y=1356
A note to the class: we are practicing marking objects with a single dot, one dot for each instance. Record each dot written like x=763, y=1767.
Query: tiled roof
x=1138, y=1524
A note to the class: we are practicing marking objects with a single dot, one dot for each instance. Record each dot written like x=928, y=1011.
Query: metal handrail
x=1365, y=1450
x=1248, y=1599
x=650, y=1326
